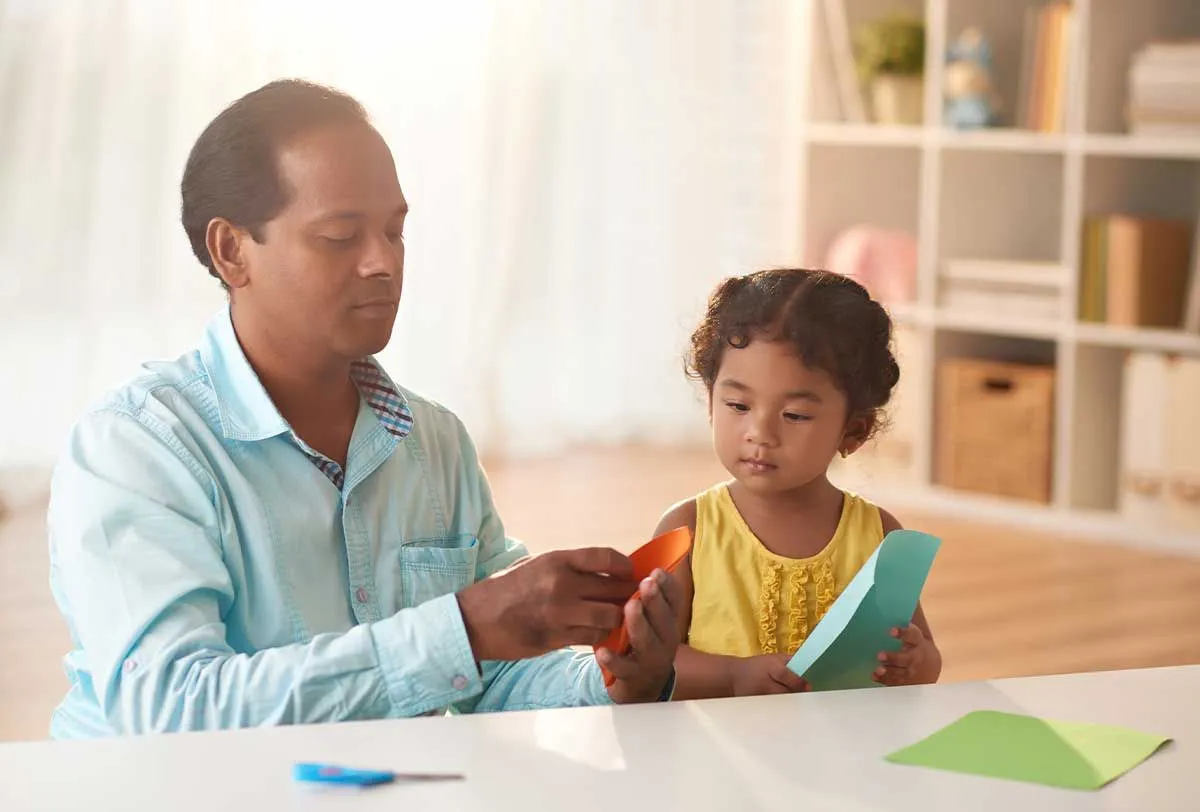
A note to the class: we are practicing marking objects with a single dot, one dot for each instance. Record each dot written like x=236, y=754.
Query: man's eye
x=396, y=237
x=340, y=239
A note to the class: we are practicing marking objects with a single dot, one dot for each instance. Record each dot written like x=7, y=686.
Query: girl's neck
x=817, y=495
x=797, y=523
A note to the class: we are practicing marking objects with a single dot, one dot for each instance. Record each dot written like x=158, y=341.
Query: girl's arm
x=704, y=676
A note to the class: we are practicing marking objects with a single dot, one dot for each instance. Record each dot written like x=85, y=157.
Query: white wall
x=580, y=175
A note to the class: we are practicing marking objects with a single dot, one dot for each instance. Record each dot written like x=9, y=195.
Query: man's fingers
x=590, y=587
x=599, y=561
x=584, y=636
x=591, y=615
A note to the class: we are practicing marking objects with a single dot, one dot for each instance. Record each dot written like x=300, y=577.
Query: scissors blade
x=429, y=776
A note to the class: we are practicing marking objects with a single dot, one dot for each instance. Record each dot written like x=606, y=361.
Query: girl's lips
x=758, y=466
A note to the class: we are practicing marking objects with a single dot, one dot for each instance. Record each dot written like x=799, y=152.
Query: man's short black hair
x=232, y=170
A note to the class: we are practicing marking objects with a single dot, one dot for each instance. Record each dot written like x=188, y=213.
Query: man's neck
x=305, y=385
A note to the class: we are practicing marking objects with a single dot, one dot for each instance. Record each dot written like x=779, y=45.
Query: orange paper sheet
x=664, y=552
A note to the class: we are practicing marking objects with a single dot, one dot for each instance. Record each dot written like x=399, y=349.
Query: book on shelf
x=1159, y=450
x=1191, y=308
x=1142, y=455
x=1049, y=33
x=1164, y=89
x=1134, y=271
x=1007, y=288
x=841, y=51
x=1182, y=444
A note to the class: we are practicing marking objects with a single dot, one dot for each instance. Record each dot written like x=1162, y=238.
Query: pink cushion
x=884, y=261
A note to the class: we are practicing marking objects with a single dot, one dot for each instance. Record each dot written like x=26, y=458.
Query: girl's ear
x=858, y=429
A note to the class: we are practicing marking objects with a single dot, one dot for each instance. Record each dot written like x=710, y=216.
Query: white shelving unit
x=1007, y=194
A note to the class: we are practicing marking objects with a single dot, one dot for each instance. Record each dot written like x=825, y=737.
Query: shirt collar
x=246, y=410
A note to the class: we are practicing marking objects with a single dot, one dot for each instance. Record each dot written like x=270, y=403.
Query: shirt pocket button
x=360, y=595
x=460, y=683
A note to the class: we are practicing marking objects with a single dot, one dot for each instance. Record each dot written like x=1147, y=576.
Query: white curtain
x=580, y=174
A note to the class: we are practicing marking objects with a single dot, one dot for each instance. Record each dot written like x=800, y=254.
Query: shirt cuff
x=426, y=658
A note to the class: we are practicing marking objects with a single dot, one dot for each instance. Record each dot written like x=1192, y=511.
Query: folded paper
x=1069, y=755
x=663, y=552
x=842, y=651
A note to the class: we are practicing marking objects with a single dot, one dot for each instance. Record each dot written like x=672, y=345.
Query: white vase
x=898, y=99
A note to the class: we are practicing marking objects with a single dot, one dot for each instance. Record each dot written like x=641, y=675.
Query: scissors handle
x=333, y=774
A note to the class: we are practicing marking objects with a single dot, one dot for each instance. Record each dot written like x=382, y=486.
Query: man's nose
x=382, y=257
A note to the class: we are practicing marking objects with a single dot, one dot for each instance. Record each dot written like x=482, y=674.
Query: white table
x=807, y=752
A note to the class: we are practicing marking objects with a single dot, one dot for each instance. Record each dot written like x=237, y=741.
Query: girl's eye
x=796, y=418
x=740, y=408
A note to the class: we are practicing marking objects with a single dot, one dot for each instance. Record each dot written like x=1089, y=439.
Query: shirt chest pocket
x=430, y=568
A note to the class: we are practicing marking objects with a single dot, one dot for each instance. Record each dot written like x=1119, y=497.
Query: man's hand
x=652, y=620
x=564, y=598
x=917, y=662
x=764, y=674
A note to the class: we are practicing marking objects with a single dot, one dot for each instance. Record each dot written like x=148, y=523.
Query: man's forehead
x=344, y=170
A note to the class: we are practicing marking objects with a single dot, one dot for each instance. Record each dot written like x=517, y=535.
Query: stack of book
x=1160, y=443
x=1045, y=57
x=1136, y=271
x=1006, y=289
x=1164, y=90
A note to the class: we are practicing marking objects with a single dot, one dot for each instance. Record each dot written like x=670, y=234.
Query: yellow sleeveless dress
x=748, y=600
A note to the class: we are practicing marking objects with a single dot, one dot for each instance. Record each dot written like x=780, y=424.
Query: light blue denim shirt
x=213, y=576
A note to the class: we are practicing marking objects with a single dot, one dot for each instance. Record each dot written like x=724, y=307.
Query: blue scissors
x=332, y=774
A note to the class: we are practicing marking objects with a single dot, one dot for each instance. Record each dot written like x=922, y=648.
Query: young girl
x=798, y=367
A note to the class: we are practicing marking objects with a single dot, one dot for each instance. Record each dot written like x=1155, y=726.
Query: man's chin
x=370, y=341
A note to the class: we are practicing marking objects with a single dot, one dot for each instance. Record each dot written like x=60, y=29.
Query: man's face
x=327, y=276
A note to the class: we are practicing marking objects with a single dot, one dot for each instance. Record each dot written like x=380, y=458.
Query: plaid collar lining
x=383, y=399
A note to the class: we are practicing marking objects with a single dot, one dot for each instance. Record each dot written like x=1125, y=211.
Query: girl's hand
x=917, y=662
x=652, y=618
x=764, y=674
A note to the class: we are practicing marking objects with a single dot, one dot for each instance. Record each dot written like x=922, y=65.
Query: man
x=268, y=530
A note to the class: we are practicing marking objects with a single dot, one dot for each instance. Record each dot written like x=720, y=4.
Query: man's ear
x=858, y=429
x=226, y=247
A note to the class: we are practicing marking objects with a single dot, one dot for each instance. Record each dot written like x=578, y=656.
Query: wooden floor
x=1000, y=603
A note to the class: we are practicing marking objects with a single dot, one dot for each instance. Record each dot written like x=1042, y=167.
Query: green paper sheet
x=1024, y=748
x=843, y=649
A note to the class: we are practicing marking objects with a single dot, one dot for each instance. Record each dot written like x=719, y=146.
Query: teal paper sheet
x=843, y=649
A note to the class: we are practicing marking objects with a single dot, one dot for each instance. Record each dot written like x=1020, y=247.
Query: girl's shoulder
x=863, y=527
x=685, y=512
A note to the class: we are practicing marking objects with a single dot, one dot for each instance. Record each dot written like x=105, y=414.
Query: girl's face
x=777, y=424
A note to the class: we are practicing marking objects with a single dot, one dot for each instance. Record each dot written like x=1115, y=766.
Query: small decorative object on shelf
x=882, y=260
x=970, y=99
x=890, y=57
